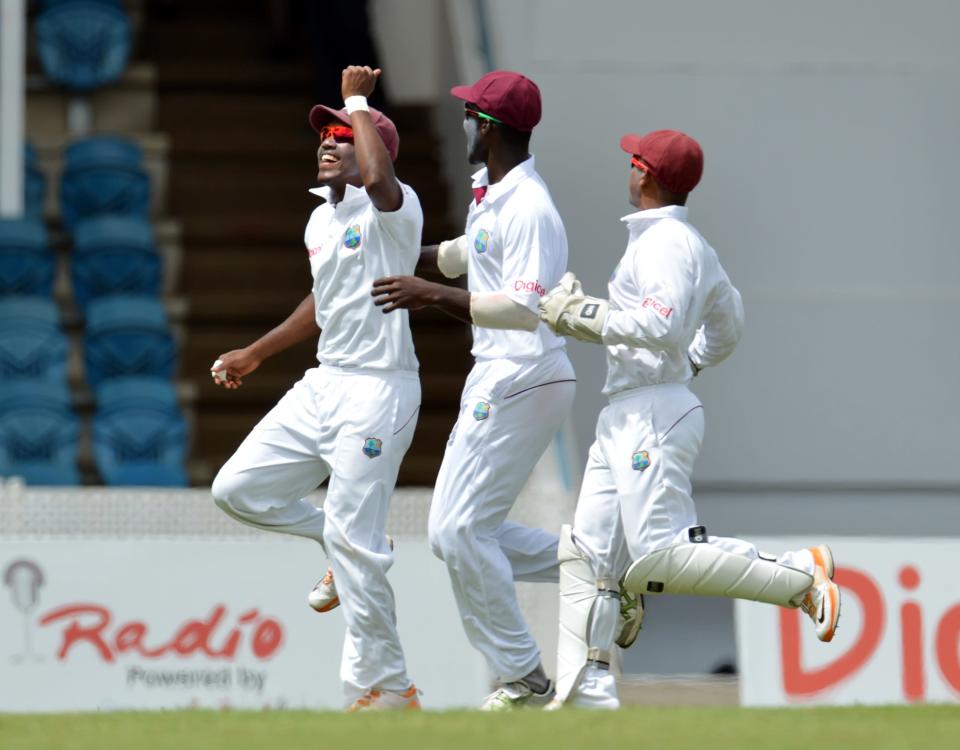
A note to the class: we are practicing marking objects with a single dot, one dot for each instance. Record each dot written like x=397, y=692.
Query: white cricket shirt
x=517, y=246
x=350, y=244
x=670, y=302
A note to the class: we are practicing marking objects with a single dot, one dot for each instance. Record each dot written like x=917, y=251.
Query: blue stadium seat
x=126, y=392
x=83, y=44
x=31, y=342
x=50, y=394
x=27, y=263
x=38, y=433
x=128, y=335
x=34, y=185
x=103, y=175
x=139, y=434
x=114, y=255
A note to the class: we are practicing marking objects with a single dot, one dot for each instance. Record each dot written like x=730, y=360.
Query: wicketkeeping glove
x=570, y=312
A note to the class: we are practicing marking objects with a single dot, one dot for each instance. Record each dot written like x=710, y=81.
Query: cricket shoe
x=513, y=695
x=822, y=601
x=631, y=617
x=387, y=700
x=324, y=596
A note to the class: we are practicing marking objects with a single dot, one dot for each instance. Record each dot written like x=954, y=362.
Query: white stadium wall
x=829, y=131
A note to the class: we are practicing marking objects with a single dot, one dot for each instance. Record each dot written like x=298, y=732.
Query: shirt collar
x=350, y=195
x=510, y=180
x=652, y=214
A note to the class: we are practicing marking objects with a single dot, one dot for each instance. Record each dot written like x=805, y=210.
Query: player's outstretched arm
x=232, y=366
x=413, y=293
x=376, y=166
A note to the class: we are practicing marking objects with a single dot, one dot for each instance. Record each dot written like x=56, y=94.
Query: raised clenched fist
x=358, y=80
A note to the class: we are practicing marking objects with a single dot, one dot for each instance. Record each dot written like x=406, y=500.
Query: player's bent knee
x=227, y=494
x=333, y=537
x=442, y=535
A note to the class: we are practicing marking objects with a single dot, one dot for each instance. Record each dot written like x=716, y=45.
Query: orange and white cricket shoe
x=822, y=601
x=387, y=700
x=324, y=596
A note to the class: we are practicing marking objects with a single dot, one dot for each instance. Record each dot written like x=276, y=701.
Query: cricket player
x=351, y=419
x=518, y=393
x=671, y=312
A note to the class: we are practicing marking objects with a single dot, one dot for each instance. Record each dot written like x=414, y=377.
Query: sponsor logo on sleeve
x=657, y=306
x=481, y=411
x=529, y=286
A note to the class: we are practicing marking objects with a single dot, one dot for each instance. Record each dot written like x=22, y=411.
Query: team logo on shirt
x=481, y=411
x=641, y=461
x=481, y=241
x=352, y=237
x=372, y=447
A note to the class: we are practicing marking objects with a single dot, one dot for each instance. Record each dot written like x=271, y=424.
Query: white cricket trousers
x=636, y=498
x=509, y=413
x=353, y=426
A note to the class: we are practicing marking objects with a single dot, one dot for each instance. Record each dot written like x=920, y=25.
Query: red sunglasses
x=339, y=133
x=635, y=161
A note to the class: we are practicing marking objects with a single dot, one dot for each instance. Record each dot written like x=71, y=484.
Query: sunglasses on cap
x=339, y=133
x=636, y=162
x=481, y=116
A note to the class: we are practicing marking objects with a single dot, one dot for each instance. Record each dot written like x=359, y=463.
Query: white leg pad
x=706, y=570
x=579, y=593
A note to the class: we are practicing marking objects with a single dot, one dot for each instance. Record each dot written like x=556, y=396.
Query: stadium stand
x=27, y=264
x=34, y=184
x=114, y=255
x=238, y=195
x=103, y=175
x=38, y=433
x=32, y=344
x=128, y=335
x=83, y=44
x=139, y=434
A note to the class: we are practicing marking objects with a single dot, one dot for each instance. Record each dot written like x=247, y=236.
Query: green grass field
x=922, y=727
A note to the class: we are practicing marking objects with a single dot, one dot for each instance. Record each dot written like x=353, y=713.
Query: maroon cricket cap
x=674, y=158
x=321, y=115
x=510, y=97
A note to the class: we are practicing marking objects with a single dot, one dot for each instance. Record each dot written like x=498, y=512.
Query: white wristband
x=356, y=104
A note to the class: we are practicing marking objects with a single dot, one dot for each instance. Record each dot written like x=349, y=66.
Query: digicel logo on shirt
x=529, y=286
x=657, y=306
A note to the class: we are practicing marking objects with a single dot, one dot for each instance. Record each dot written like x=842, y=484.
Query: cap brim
x=631, y=143
x=322, y=115
x=463, y=92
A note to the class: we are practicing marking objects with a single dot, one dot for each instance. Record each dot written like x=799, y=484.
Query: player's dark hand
x=358, y=80
x=234, y=365
x=402, y=293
